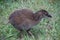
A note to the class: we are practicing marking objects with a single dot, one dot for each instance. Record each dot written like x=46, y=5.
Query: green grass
x=42, y=31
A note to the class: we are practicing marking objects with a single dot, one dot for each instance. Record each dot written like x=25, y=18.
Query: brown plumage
x=25, y=19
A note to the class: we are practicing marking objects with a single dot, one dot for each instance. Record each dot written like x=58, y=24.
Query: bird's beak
x=48, y=15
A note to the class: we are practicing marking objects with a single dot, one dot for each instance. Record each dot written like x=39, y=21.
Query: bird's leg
x=21, y=34
x=29, y=33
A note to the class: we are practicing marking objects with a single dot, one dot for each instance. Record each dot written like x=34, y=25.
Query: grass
x=42, y=31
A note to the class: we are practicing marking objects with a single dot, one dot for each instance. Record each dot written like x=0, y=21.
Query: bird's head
x=42, y=14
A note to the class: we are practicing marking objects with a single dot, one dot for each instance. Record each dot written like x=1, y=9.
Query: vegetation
x=47, y=29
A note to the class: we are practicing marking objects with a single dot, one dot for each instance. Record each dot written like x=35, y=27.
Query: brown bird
x=25, y=19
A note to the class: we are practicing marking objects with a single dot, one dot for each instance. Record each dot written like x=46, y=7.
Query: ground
x=47, y=29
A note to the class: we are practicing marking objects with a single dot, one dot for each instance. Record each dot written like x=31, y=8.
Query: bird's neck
x=37, y=17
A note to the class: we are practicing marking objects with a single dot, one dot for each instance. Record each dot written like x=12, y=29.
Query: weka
x=25, y=19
